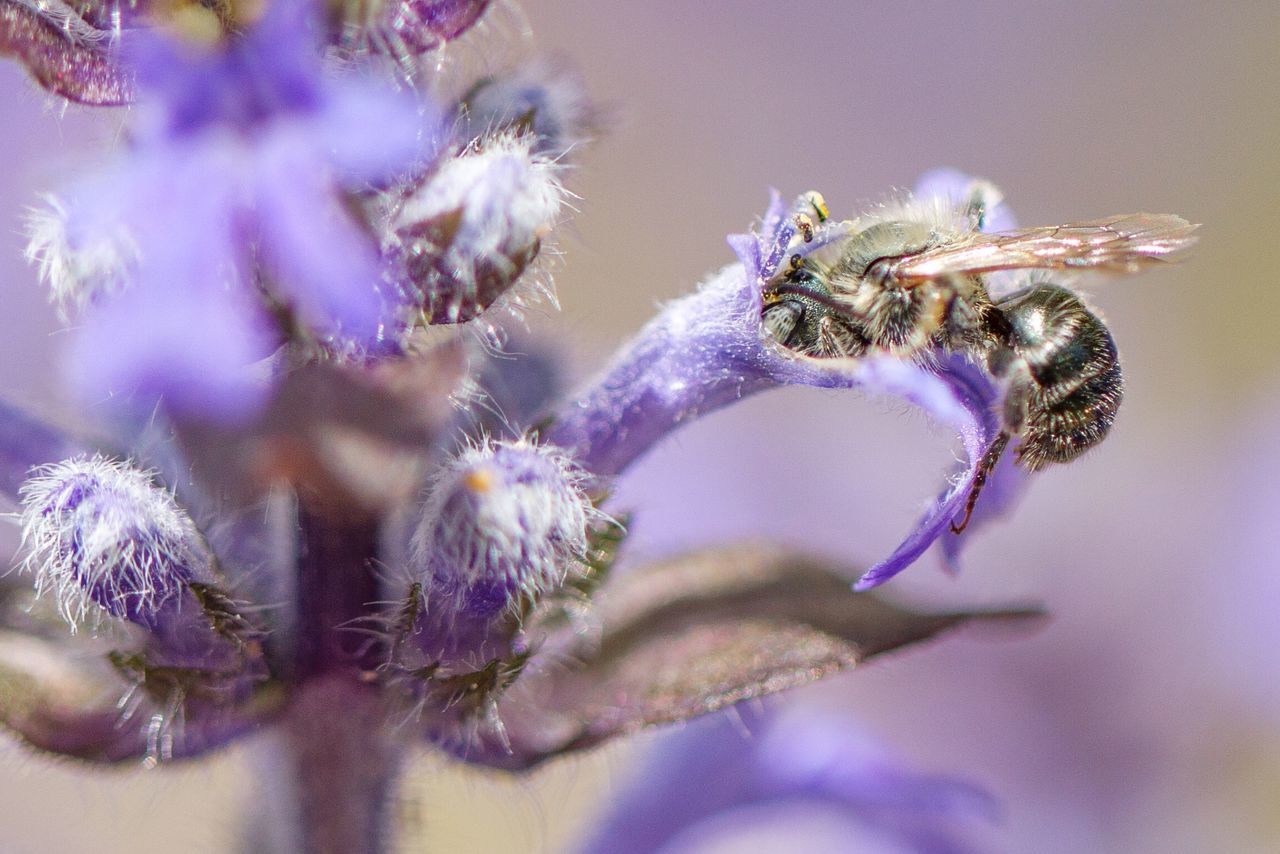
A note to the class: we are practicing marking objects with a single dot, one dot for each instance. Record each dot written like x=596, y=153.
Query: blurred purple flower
x=71, y=47
x=709, y=349
x=699, y=790
x=228, y=212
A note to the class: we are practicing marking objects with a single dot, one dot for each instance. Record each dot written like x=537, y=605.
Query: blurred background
x=1146, y=715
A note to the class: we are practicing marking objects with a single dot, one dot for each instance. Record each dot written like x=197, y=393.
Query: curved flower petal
x=1007, y=482
x=968, y=407
x=197, y=350
x=369, y=132
x=327, y=267
x=708, y=350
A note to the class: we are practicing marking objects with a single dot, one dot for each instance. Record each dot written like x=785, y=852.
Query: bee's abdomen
x=1062, y=343
x=1067, y=386
x=1061, y=431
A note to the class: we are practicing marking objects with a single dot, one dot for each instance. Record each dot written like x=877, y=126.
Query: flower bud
x=467, y=234
x=99, y=532
x=503, y=521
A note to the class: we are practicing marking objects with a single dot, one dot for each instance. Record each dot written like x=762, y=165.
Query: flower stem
x=341, y=756
x=344, y=763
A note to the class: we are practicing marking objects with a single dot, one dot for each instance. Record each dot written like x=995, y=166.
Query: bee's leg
x=838, y=339
x=930, y=306
x=985, y=468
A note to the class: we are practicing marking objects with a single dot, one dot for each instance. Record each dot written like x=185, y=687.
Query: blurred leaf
x=61, y=701
x=696, y=634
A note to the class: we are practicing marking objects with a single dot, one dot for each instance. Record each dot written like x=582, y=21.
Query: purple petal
x=1004, y=489
x=327, y=267
x=708, y=350
x=194, y=347
x=815, y=751
x=972, y=414
x=954, y=185
x=710, y=771
x=186, y=328
x=369, y=133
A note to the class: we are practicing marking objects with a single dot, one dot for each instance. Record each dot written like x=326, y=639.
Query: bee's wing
x=1121, y=244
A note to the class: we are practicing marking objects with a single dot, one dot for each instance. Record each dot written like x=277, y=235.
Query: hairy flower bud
x=468, y=233
x=99, y=532
x=503, y=521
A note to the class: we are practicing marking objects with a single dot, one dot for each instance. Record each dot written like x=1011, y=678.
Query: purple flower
x=291, y=545
x=226, y=215
x=710, y=349
x=702, y=787
x=467, y=648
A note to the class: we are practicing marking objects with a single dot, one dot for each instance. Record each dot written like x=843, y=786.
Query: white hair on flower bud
x=100, y=535
x=78, y=271
x=510, y=517
x=508, y=197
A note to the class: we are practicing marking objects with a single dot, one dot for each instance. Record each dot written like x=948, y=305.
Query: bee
x=923, y=277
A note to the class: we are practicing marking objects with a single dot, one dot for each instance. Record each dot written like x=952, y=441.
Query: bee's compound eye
x=781, y=319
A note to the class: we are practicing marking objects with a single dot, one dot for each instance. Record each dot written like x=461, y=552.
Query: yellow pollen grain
x=479, y=480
